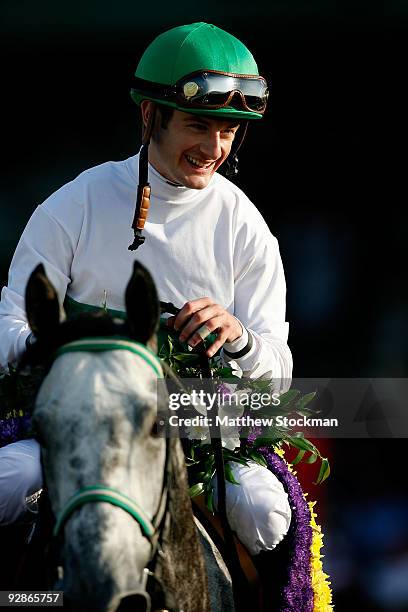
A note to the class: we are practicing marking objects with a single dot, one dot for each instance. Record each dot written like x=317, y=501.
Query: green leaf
x=171, y=345
x=239, y=460
x=229, y=475
x=190, y=462
x=261, y=385
x=230, y=456
x=269, y=435
x=288, y=398
x=196, y=489
x=208, y=476
x=257, y=457
x=225, y=372
x=303, y=444
x=311, y=459
x=210, y=459
x=185, y=357
x=298, y=457
x=324, y=471
x=305, y=400
x=261, y=441
x=209, y=500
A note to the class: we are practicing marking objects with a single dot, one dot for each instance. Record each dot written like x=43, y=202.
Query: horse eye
x=154, y=432
x=39, y=437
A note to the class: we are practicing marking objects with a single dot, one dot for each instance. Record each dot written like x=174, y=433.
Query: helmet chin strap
x=231, y=163
x=143, y=189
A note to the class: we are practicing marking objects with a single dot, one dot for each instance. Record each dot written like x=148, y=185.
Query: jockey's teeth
x=196, y=162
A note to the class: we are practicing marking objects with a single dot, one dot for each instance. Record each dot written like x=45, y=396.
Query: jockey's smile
x=191, y=148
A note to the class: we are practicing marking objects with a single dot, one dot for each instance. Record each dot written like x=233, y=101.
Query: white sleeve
x=45, y=241
x=259, y=304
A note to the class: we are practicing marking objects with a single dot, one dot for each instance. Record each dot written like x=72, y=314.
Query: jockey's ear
x=142, y=305
x=41, y=302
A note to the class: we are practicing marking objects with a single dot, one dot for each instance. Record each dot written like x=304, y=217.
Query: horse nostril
x=135, y=602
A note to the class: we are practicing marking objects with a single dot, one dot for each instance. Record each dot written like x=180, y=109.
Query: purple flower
x=297, y=594
x=14, y=429
x=253, y=434
x=225, y=390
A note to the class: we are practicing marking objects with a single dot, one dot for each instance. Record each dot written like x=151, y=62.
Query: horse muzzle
x=134, y=601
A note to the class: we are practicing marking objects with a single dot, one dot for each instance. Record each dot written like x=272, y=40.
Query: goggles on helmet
x=211, y=89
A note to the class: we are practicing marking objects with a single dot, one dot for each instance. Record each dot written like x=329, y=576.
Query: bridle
x=153, y=529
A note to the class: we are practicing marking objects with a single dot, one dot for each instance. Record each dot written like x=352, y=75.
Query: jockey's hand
x=204, y=311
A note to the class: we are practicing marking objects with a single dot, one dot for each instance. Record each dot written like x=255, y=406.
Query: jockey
x=207, y=247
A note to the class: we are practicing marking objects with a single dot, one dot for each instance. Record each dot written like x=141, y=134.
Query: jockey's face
x=191, y=148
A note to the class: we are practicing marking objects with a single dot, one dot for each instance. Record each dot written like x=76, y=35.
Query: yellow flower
x=322, y=599
x=281, y=453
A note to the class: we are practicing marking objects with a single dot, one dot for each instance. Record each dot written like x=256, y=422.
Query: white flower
x=199, y=432
x=229, y=433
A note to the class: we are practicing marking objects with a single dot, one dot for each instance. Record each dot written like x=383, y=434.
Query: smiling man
x=193, y=148
x=208, y=248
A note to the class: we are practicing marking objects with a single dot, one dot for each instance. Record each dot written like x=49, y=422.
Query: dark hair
x=166, y=113
x=161, y=121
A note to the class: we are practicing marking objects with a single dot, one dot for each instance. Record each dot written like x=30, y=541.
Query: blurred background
x=320, y=168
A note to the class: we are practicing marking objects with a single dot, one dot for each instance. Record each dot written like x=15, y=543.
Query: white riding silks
x=258, y=509
x=82, y=231
x=20, y=478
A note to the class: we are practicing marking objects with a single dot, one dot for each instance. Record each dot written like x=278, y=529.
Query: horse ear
x=142, y=304
x=42, y=305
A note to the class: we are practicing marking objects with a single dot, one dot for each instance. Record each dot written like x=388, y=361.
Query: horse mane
x=184, y=563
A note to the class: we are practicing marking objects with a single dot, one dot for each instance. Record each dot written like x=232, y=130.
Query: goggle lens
x=216, y=90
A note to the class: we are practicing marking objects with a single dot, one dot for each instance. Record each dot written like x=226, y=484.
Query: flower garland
x=307, y=587
x=297, y=593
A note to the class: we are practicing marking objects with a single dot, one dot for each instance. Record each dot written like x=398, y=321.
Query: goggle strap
x=155, y=89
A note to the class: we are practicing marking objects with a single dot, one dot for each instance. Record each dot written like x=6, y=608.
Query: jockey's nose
x=211, y=145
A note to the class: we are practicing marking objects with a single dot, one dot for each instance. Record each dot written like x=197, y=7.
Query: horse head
x=96, y=418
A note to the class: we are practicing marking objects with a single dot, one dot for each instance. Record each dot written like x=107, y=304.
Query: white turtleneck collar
x=163, y=190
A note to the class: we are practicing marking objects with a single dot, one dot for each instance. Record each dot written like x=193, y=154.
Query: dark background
x=323, y=169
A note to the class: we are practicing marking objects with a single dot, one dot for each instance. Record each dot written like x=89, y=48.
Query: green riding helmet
x=199, y=68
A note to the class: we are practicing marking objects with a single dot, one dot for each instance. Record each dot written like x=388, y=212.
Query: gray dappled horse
x=95, y=417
